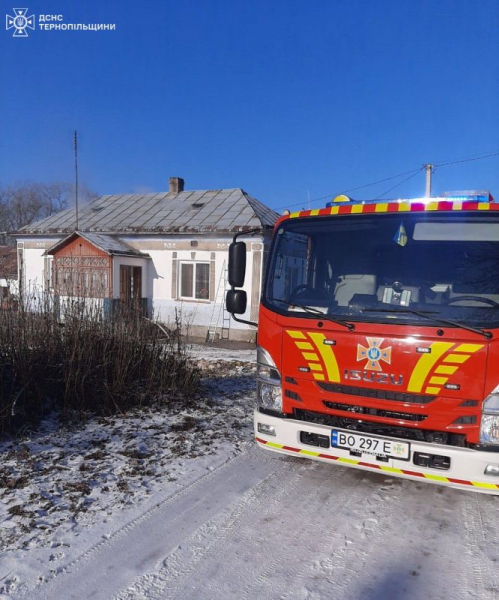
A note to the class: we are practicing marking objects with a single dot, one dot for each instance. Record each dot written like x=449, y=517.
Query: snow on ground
x=212, y=354
x=63, y=488
x=182, y=505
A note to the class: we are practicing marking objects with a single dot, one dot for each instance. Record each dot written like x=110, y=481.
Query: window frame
x=194, y=264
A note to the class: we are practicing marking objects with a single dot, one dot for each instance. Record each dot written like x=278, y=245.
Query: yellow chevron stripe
x=315, y=366
x=310, y=356
x=439, y=380
x=446, y=370
x=404, y=207
x=456, y=358
x=357, y=208
x=425, y=364
x=294, y=215
x=327, y=354
x=297, y=335
x=314, y=213
x=432, y=390
x=304, y=345
x=319, y=377
x=470, y=348
x=335, y=210
x=382, y=207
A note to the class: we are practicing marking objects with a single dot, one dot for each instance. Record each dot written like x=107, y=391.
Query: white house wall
x=134, y=262
x=33, y=249
x=158, y=274
x=196, y=315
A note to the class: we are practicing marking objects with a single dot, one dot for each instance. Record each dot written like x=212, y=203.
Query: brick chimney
x=176, y=185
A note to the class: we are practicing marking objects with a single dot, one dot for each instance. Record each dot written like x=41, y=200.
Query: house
x=8, y=275
x=166, y=251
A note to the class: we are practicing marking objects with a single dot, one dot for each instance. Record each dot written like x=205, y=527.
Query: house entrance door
x=130, y=284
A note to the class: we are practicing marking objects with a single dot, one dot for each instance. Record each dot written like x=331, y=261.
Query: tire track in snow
x=340, y=564
x=167, y=581
x=69, y=580
x=207, y=568
x=480, y=539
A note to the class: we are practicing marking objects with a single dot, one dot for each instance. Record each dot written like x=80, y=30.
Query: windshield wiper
x=427, y=314
x=314, y=311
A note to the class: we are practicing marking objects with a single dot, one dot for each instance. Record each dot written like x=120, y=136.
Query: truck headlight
x=269, y=391
x=270, y=396
x=489, y=429
x=265, y=364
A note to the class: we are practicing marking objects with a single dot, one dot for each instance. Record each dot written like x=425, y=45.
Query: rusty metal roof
x=202, y=211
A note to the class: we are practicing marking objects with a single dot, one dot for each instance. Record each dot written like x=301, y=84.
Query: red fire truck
x=378, y=338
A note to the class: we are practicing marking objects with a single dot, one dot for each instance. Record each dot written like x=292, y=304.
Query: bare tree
x=26, y=202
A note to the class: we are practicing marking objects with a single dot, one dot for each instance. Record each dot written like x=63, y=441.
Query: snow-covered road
x=262, y=526
x=177, y=503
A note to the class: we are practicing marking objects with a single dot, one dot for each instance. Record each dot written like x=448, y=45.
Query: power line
x=411, y=174
x=401, y=182
x=455, y=162
x=360, y=187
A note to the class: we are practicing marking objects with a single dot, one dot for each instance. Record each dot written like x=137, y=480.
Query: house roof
x=106, y=243
x=227, y=211
x=8, y=262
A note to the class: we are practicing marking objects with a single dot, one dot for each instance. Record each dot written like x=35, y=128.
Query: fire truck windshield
x=367, y=267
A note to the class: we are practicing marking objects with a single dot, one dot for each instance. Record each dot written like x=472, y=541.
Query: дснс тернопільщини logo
x=20, y=22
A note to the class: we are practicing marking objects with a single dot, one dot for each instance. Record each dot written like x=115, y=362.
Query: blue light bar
x=460, y=196
x=468, y=196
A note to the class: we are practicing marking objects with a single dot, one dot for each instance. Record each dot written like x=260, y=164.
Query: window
x=195, y=280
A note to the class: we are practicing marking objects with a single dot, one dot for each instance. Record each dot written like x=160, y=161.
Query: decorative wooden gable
x=81, y=269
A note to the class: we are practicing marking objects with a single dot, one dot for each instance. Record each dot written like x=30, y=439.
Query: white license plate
x=359, y=442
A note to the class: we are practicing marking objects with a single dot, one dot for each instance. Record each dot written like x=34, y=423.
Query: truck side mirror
x=237, y=264
x=236, y=301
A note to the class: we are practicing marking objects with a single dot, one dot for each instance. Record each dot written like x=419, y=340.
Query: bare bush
x=71, y=357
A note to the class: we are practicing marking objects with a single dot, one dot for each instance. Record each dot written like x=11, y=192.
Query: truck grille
x=375, y=412
x=376, y=394
x=383, y=429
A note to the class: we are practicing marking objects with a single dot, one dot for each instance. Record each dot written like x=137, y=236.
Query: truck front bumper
x=466, y=471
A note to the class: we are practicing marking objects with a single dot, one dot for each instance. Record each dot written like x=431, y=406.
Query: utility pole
x=429, y=171
x=76, y=176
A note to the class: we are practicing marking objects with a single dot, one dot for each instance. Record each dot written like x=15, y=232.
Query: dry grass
x=76, y=360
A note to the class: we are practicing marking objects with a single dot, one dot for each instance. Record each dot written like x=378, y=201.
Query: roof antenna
x=76, y=176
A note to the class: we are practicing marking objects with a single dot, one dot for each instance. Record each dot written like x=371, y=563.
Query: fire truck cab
x=378, y=338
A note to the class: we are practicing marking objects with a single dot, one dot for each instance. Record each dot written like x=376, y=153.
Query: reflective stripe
x=304, y=345
x=309, y=453
x=350, y=461
x=385, y=207
x=297, y=335
x=446, y=369
x=327, y=355
x=468, y=348
x=456, y=358
x=425, y=364
x=487, y=486
x=436, y=477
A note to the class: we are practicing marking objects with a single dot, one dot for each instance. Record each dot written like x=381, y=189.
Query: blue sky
x=285, y=99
